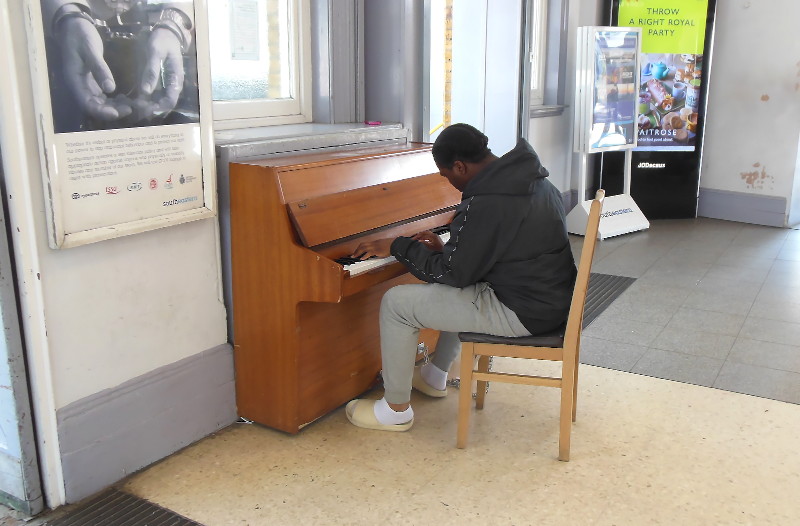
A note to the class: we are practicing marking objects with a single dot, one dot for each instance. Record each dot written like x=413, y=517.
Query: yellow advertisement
x=668, y=26
x=673, y=39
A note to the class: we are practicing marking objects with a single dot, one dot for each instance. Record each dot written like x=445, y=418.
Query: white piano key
x=368, y=264
x=371, y=264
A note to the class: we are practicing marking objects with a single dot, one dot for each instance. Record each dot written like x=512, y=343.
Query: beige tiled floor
x=644, y=451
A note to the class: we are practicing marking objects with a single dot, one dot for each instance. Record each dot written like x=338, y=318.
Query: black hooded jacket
x=509, y=230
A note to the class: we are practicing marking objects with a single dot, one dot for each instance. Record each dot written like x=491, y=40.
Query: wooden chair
x=563, y=346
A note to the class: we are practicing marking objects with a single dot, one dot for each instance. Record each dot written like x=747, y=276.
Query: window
x=260, y=62
x=538, y=51
x=546, y=36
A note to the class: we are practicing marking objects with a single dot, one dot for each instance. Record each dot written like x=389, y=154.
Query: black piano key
x=349, y=260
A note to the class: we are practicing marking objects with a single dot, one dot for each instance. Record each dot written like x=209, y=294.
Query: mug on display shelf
x=679, y=90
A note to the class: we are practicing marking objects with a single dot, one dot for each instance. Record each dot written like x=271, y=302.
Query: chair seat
x=551, y=339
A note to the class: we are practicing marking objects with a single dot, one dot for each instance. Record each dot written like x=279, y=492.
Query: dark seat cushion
x=551, y=339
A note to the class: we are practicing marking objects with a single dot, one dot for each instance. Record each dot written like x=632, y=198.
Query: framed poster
x=606, y=93
x=123, y=114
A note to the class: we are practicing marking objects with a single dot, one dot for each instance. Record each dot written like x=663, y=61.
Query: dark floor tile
x=776, y=309
x=774, y=331
x=644, y=290
x=609, y=327
x=697, y=343
x=609, y=354
x=756, y=263
x=647, y=311
x=707, y=321
x=759, y=381
x=766, y=354
x=770, y=250
x=789, y=254
x=759, y=236
x=784, y=273
x=714, y=301
x=734, y=281
x=779, y=290
x=698, y=370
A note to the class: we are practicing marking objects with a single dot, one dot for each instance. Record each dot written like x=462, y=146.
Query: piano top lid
x=308, y=176
x=310, y=159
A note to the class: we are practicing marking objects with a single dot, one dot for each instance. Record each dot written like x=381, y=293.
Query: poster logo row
x=136, y=186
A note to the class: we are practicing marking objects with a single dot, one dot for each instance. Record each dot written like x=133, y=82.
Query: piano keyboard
x=371, y=264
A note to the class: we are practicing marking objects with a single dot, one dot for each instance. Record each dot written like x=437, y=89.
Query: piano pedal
x=422, y=348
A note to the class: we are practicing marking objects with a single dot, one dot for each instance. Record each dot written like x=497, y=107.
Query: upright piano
x=306, y=335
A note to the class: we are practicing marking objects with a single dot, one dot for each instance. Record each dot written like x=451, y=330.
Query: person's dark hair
x=460, y=142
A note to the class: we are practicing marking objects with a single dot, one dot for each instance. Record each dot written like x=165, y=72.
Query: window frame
x=538, y=51
x=234, y=114
x=554, y=72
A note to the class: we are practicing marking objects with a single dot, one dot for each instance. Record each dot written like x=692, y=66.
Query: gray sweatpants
x=407, y=308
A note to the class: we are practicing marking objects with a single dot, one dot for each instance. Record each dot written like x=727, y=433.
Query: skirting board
x=745, y=208
x=111, y=434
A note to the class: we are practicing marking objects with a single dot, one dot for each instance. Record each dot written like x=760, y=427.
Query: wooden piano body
x=306, y=332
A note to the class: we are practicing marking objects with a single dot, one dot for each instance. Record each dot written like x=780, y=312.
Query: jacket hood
x=515, y=173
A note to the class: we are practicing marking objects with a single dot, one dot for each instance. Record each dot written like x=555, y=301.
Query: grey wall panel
x=111, y=434
x=744, y=208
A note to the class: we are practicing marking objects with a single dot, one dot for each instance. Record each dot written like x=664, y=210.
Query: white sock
x=434, y=376
x=388, y=416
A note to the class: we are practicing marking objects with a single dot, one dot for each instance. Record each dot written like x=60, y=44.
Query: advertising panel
x=124, y=116
x=673, y=40
x=607, y=78
x=615, y=92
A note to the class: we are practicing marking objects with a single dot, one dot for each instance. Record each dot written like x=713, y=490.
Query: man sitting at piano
x=506, y=270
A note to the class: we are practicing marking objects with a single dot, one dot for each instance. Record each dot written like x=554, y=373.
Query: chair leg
x=575, y=381
x=465, y=393
x=566, y=413
x=480, y=395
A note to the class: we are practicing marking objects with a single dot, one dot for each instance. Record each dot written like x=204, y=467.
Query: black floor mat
x=603, y=290
x=117, y=508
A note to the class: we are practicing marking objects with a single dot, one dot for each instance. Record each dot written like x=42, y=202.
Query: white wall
x=503, y=48
x=753, y=116
x=99, y=315
x=121, y=308
x=469, y=64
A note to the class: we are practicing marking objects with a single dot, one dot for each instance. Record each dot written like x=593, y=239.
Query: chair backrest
x=575, y=318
